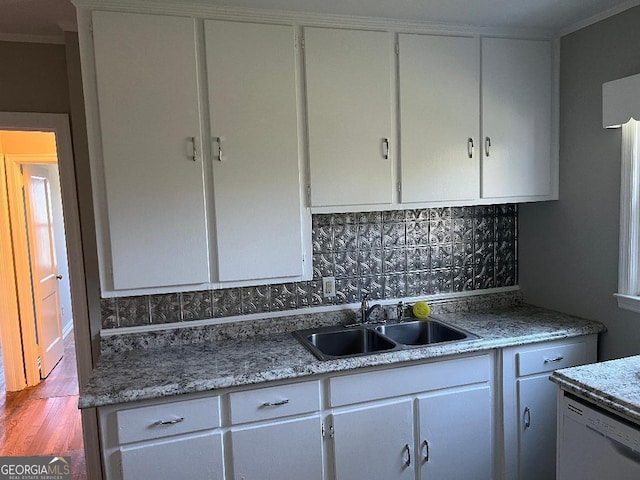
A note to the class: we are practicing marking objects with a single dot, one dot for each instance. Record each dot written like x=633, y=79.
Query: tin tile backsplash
x=394, y=254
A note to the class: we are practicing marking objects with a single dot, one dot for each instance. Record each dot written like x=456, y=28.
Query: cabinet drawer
x=548, y=359
x=274, y=402
x=394, y=382
x=174, y=418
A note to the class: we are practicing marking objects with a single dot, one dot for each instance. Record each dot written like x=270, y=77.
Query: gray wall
x=568, y=250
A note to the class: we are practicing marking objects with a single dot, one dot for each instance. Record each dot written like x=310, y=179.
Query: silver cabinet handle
x=487, y=145
x=426, y=451
x=219, y=142
x=276, y=404
x=169, y=422
x=194, y=151
x=407, y=462
x=554, y=359
x=470, y=147
x=385, y=152
x=527, y=417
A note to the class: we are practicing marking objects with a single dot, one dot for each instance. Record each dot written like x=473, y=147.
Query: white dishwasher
x=594, y=444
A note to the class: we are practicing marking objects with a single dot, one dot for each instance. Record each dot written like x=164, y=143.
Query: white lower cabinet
x=455, y=439
x=458, y=418
x=529, y=406
x=374, y=442
x=281, y=450
x=194, y=457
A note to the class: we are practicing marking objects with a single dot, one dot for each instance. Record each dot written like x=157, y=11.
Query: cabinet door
x=537, y=428
x=149, y=118
x=456, y=435
x=439, y=115
x=285, y=450
x=254, y=124
x=348, y=77
x=375, y=442
x=516, y=117
x=193, y=457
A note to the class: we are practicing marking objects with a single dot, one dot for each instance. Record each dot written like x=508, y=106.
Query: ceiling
x=49, y=18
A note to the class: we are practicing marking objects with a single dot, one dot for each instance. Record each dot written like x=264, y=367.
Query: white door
x=254, y=124
x=537, y=428
x=439, y=115
x=348, y=76
x=282, y=450
x=456, y=435
x=375, y=442
x=516, y=117
x=44, y=273
x=147, y=84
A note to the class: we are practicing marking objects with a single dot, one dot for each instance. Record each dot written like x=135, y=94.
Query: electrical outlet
x=328, y=287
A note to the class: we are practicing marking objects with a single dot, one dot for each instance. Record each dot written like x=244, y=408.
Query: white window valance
x=620, y=101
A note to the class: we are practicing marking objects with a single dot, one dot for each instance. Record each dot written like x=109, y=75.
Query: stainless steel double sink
x=329, y=343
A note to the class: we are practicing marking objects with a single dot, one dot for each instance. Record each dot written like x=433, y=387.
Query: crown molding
x=25, y=38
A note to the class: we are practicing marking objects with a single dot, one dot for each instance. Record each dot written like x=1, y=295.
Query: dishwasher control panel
x=603, y=422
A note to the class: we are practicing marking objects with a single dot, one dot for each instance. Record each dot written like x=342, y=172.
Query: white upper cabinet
x=253, y=113
x=348, y=86
x=439, y=118
x=516, y=118
x=147, y=92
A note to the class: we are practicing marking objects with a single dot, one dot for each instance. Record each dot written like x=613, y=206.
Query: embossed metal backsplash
x=394, y=254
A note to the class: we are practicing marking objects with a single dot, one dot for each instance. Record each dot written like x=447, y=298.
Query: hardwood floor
x=45, y=420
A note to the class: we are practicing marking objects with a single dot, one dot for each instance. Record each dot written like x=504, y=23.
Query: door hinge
x=399, y=187
x=323, y=431
x=302, y=41
x=397, y=48
x=309, y=195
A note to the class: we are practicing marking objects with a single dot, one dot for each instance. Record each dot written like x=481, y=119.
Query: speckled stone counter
x=160, y=369
x=614, y=385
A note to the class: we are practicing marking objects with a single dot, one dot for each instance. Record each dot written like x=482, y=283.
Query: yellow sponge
x=421, y=309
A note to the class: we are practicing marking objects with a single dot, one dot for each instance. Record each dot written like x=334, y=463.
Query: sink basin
x=344, y=342
x=421, y=332
x=328, y=343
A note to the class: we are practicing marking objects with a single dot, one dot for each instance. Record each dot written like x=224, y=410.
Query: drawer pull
x=554, y=359
x=276, y=404
x=169, y=422
x=426, y=451
x=527, y=418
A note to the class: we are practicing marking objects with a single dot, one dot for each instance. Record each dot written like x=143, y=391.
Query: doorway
x=39, y=249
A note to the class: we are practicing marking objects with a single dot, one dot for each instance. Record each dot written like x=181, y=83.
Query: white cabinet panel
x=439, y=118
x=537, y=427
x=149, y=118
x=375, y=442
x=516, y=117
x=456, y=435
x=194, y=457
x=252, y=105
x=348, y=80
x=287, y=450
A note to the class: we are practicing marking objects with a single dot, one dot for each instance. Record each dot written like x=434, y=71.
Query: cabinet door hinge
x=302, y=41
x=323, y=431
x=309, y=195
x=399, y=187
x=397, y=48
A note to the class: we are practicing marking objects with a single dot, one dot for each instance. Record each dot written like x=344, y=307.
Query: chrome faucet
x=366, y=310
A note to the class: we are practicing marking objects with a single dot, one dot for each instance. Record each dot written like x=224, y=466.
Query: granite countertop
x=614, y=385
x=163, y=370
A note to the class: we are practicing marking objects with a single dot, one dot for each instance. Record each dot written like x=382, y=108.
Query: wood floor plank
x=45, y=420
